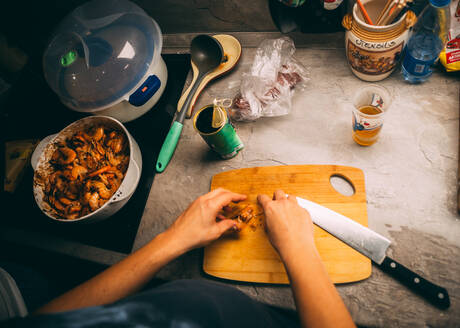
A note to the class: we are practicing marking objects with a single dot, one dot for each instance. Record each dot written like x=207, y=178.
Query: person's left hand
x=201, y=222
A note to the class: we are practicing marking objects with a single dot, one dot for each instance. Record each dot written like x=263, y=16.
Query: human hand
x=289, y=226
x=201, y=222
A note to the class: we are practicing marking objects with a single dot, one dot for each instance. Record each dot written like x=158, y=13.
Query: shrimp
x=100, y=171
x=113, y=160
x=93, y=200
x=64, y=156
x=100, y=149
x=53, y=177
x=116, y=142
x=98, y=133
x=59, y=206
x=75, y=207
x=78, y=172
x=65, y=201
x=78, y=140
x=71, y=195
x=72, y=216
x=104, y=179
x=68, y=175
x=101, y=189
x=60, y=184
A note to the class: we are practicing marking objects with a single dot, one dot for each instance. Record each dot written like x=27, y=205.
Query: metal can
x=222, y=138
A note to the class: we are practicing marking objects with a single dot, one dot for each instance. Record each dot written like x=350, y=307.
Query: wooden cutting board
x=250, y=256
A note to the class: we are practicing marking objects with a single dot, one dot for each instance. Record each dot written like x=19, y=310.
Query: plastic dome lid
x=100, y=53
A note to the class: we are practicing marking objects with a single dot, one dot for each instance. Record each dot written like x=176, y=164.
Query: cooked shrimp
x=104, y=179
x=100, y=171
x=88, y=169
x=65, y=201
x=116, y=142
x=100, y=149
x=113, y=160
x=53, y=177
x=64, y=156
x=78, y=171
x=60, y=184
x=71, y=195
x=76, y=207
x=68, y=175
x=98, y=133
x=101, y=189
x=59, y=206
x=93, y=201
x=72, y=216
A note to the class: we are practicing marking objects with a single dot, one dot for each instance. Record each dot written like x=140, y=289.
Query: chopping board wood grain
x=249, y=255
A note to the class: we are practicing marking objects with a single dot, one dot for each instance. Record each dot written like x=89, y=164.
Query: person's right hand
x=289, y=226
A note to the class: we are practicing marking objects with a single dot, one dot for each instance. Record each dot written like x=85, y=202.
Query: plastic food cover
x=100, y=53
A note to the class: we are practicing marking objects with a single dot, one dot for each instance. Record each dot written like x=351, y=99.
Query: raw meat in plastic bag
x=268, y=87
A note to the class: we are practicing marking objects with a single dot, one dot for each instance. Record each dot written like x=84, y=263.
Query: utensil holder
x=374, y=51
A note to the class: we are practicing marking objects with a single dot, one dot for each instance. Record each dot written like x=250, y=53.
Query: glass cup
x=370, y=104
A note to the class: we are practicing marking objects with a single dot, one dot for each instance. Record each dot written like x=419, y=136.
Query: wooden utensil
x=386, y=12
x=395, y=12
x=364, y=12
x=385, y=8
x=249, y=256
x=232, y=53
x=207, y=55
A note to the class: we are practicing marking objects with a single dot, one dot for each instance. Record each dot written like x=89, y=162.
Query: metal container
x=42, y=155
x=222, y=139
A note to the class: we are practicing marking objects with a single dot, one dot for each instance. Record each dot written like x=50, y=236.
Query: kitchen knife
x=374, y=246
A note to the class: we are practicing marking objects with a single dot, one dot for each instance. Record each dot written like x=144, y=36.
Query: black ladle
x=207, y=54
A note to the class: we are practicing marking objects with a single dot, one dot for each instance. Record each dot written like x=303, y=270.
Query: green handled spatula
x=207, y=54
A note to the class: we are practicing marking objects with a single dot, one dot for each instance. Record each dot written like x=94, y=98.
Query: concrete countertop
x=410, y=180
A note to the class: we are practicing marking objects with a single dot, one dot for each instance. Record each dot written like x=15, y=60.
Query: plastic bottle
x=428, y=38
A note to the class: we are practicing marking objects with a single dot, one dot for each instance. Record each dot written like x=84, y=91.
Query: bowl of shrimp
x=86, y=172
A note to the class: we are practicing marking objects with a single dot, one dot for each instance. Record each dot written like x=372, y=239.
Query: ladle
x=206, y=54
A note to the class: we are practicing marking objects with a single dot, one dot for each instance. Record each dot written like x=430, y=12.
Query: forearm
x=318, y=302
x=122, y=279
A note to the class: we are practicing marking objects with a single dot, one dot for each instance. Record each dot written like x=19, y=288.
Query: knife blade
x=374, y=246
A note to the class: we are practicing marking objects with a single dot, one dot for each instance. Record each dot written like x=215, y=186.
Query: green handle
x=169, y=145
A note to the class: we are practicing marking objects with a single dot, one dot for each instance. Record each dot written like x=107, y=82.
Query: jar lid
x=100, y=52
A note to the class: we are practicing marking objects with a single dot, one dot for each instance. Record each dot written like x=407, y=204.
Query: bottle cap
x=439, y=3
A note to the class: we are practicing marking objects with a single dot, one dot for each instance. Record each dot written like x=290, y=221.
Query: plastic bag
x=268, y=87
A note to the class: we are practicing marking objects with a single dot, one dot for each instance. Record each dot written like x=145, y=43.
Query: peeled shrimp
x=115, y=142
x=64, y=155
x=100, y=171
x=98, y=133
x=78, y=171
x=93, y=201
x=101, y=189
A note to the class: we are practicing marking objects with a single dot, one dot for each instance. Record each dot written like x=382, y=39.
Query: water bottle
x=427, y=41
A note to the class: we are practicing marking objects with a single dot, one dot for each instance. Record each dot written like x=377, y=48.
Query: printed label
x=416, y=66
x=453, y=57
x=365, y=60
x=361, y=123
x=377, y=101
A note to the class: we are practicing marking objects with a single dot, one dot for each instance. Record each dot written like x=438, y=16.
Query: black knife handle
x=431, y=292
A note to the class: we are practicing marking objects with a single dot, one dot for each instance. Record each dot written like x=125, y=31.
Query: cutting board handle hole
x=342, y=185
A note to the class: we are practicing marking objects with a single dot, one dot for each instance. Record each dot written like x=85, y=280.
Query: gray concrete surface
x=410, y=181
